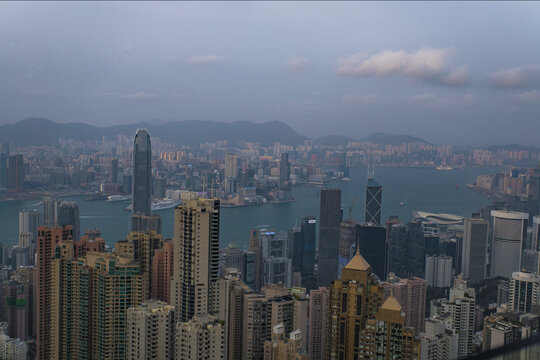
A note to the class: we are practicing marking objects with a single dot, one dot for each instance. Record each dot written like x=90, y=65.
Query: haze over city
x=452, y=73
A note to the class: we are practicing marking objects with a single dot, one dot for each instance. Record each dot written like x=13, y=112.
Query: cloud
x=297, y=63
x=140, y=96
x=519, y=77
x=528, y=97
x=427, y=65
x=432, y=100
x=205, y=60
x=364, y=99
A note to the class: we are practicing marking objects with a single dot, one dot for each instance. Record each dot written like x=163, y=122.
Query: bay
x=423, y=189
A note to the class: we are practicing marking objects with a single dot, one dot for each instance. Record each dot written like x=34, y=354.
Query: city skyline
x=385, y=66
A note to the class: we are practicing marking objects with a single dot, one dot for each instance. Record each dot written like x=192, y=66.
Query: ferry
x=114, y=198
x=159, y=205
x=444, y=167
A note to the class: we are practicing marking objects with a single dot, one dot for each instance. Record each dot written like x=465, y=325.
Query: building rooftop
x=358, y=263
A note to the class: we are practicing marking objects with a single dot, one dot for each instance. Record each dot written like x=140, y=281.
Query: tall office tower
x=50, y=211
x=116, y=285
x=16, y=296
x=127, y=183
x=523, y=291
x=347, y=240
x=439, y=271
x=231, y=291
x=280, y=348
x=196, y=257
x=255, y=247
x=15, y=172
x=371, y=241
x=308, y=231
x=11, y=349
x=114, y=171
x=329, y=220
x=142, y=223
x=278, y=270
x=461, y=307
x=274, y=245
x=284, y=171
x=3, y=171
x=387, y=337
x=201, y=338
x=68, y=214
x=411, y=295
x=257, y=325
x=416, y=255
x=145, y=245
x=69, y=311
x=48, y=238
x=373, y=201
x=439, y=340
x=301, y=314
x=397, y=250
x=29, y=221
x=162, y=272
x=353, y=299
x=231, y=165
x=535, y=240
x=509, y=233
x=160, y=187
x=150, y=331
x=475, y=248
x=318, y=323
x=142, y=173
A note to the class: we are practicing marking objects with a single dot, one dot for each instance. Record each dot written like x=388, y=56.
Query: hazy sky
x=451, y=72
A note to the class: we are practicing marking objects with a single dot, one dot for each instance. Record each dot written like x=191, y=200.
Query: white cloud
x=139, y=96
x=528, y=97
x=205, y=60
x=297, y=63
x=364, y=99
x=432, y=100
x=519, y=77
x=428, y=65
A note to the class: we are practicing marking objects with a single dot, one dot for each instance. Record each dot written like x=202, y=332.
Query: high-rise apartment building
x=509, y=233
x=280, y=348
x=29, y=221
x=474, y=253
x=145, y=245
x=284, y=171
x=411, y=295
x=142, y=223
x=50, y=211
x=15, y=173
x=371, y=242
x=231, y=166
x=439, y=340
x=68, y=214
x=196, y=257
x=200, y=338
x=48, y=238
x=535, y=239
x=142, y=173
x=353, y=299
x=16, y=310
x=373, y=201
x=329, y=220
x=162, y=272
x=439, y=271
x=3, y=171
x=150, y=331
x=318, y=323
x=10, y=348
x=523, y=291
x=386, y=336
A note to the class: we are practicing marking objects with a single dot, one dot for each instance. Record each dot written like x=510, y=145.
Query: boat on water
x=444, y=167
x=114, y=198
x=96, y=196
x=159, y=205
x=401, y=203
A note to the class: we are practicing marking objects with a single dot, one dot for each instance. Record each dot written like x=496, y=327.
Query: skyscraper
x=475, y=249
x=373, y=200
x=15, y=174
x=145, y=245
x=353, y=299
x=68, y=214
x=535, y=243
x=162, y=271
x=329, y=220
x=371, y=241
x=279, y=348
x=308, y=229
x=318, y=323
x=142, y=173
x=196, y=257
x=50, y=208
x=200, y=338
x=231, y=164
x=29, y=221
x=3, y=171
x=284, y=171
x=524, y=291
x=509, y=233
x=114, y=171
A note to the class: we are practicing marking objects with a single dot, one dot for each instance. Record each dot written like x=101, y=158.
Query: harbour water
x=425, y=189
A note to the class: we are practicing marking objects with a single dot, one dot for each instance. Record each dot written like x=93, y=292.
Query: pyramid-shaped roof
x=391, y=304
x=358, y=263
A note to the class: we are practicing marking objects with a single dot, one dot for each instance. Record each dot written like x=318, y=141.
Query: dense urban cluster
x=378, y=288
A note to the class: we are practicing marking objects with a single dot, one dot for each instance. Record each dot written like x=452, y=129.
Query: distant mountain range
x=41, y=131
x=375, y=138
